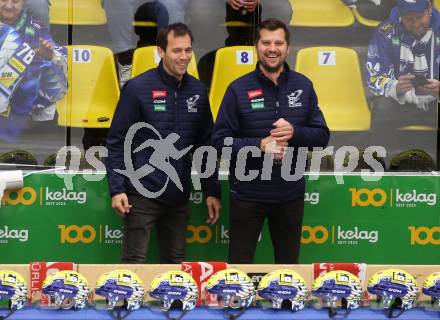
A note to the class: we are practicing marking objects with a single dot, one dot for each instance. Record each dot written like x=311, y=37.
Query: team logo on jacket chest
x=293, y=99
x=159, y=100
x=257, y=101
x=191, y=103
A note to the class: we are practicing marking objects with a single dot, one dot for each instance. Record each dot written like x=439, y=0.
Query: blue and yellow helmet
x=431, y=287
x=390, y=284
x=283, y=285
x=14, y=288
x=121, y=287
x=338, y=284
x=174, y=286
x=68, y=289
x=233, y=288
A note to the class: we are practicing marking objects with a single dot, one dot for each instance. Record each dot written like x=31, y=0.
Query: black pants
x=246, y=221
x=170, y=223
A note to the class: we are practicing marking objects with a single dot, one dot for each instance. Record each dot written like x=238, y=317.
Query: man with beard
x=268, y=110
x=403, y=74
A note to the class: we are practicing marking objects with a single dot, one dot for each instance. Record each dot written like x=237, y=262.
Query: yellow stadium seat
x=77, y=12
x=230, y=64
x=437, y=4
x=320, y=13
x=93, y=88
x=147, y=58
x=418, y=128
x=364, y=21
x=337, y=79
x=237, y=24
x=149, y=24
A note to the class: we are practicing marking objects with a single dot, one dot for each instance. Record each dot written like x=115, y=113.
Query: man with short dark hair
x=268, y=110
x=169, y=104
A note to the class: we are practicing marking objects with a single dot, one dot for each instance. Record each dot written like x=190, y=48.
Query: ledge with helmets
x=335, y=286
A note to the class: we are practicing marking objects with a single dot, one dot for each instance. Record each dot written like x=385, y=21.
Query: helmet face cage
x=174, y=286
x=14, y=287
x=431, y=287
x=281, y=285
x=121, y=287
x=390, y=284
x=233, y=288
x=68, y=289
x=338, y=284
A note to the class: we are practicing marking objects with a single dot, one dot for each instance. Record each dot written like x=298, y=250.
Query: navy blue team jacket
x=250, y=106
x=157, y=98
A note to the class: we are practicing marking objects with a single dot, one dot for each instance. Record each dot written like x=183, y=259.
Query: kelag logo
x=317, y=234
x=364, y=197
x=201, y=234
x=411, y=199
x=339, y=235
x=7, y=233
x=424, y=235
x=397, y=198
x=25, y=196
x=75, y=234
x=86, y=234
x=60, y=197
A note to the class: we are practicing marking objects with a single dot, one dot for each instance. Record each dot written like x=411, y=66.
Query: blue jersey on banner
x=46, y=80
x=393, y=51
x=16, y=57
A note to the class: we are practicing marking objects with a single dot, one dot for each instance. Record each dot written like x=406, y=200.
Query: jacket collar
x=169, y=79
x=283, y=74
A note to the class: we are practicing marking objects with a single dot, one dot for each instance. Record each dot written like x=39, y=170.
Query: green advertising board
x=392, y=221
